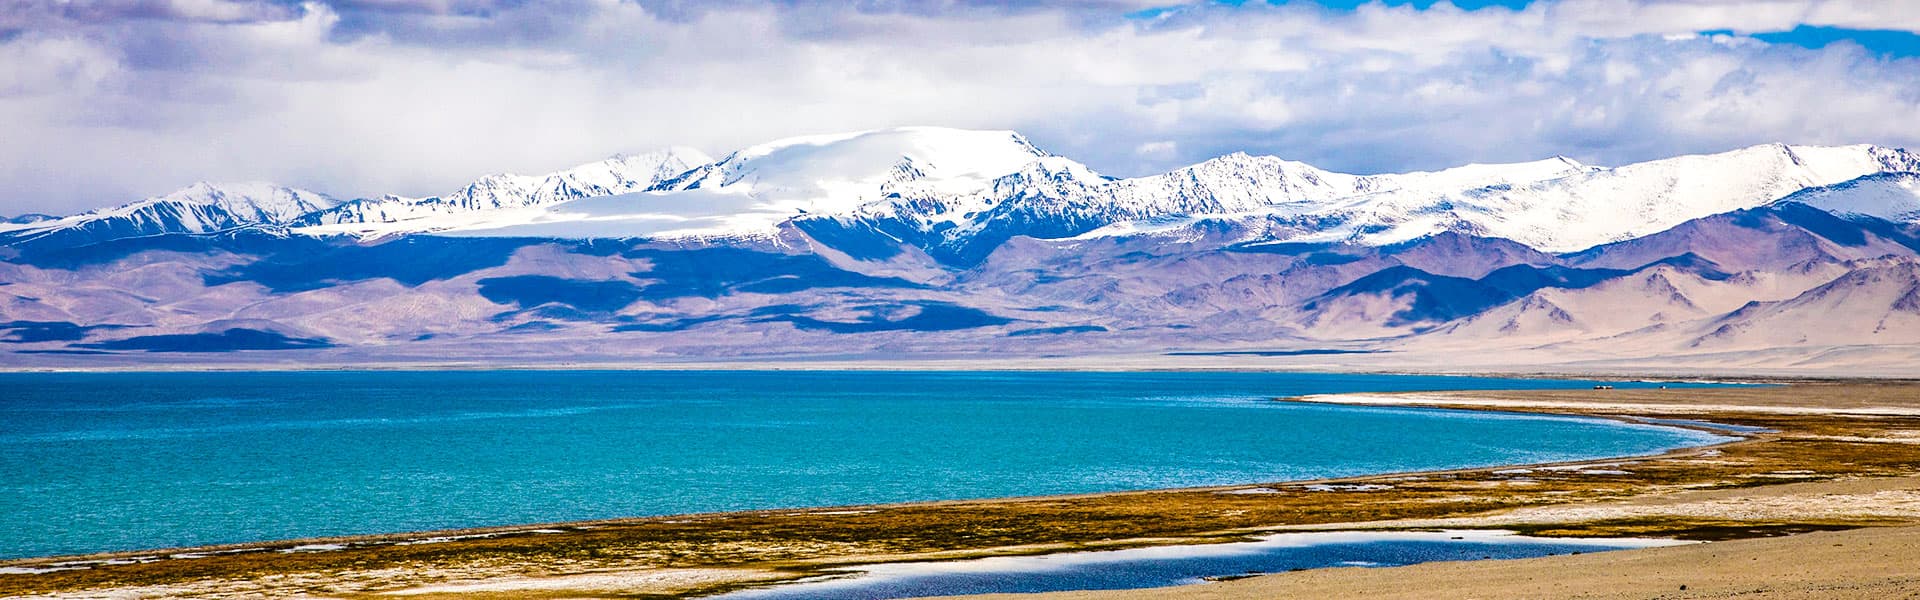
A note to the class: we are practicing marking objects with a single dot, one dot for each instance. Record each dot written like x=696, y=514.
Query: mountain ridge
x=887, y=244
x=909, y=187
x=202, y=207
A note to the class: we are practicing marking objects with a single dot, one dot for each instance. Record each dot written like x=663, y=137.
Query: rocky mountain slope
x=198, y=208
x=923, y=242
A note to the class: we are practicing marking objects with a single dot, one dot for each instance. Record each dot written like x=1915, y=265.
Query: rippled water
x=93, y=461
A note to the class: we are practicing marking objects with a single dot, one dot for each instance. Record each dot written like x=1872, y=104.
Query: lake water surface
x=116, y=461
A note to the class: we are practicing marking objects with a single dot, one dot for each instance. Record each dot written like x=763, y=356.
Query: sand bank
x=1876, y=563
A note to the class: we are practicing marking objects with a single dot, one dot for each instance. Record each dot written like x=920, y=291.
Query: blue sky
x=1885, y=42
x=107, y=101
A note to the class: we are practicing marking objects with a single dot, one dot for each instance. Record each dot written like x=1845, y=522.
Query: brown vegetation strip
x=1803, y=447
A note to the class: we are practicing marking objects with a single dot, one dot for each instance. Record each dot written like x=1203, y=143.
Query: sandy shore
x=1836, y=457
x=1874, y=563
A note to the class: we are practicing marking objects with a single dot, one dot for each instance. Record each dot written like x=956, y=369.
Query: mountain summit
x=943, y=187
x=927, y=241
x=199, y=208
x=958, y=193
x=619, y=174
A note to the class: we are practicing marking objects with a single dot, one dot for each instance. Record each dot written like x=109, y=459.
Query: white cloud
x=368, y=97
x=1161, y=150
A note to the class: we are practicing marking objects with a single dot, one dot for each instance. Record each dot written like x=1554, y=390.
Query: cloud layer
x=106, y=101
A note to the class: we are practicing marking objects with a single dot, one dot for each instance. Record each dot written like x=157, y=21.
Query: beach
x=1881, y=563
x=1833, y=458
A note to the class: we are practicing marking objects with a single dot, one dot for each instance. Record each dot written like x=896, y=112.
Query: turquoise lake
x=94, y=462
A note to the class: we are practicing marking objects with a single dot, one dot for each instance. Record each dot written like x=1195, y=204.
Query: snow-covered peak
x=1059, y=167
x=619, y=174
x=749, y=193
x=1240, y=182
x=949, y=184
x=247, y=202
x=199, y=208
x=1484, y=175
x=756, y=187
x=931, y=205
x=257, y=201
x=1890, y=196
x=479, y=201
x=952, y=184
x=1595, y=206
x=1050, y=173
x=666, y=162
x=837, y=173
x=1778, y=169
x=634, y=172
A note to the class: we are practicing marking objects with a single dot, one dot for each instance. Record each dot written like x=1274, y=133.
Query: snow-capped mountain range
x=620, y=174
x=923, y=239
x=199, y=208
x=952, y=184
x=949, y=184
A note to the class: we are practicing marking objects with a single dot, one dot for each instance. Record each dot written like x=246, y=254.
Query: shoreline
x=402, y=537
x=733, y=550
x=1161, y=567
x=1131, y=363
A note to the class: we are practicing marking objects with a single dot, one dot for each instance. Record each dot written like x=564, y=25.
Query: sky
x=103, y=102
